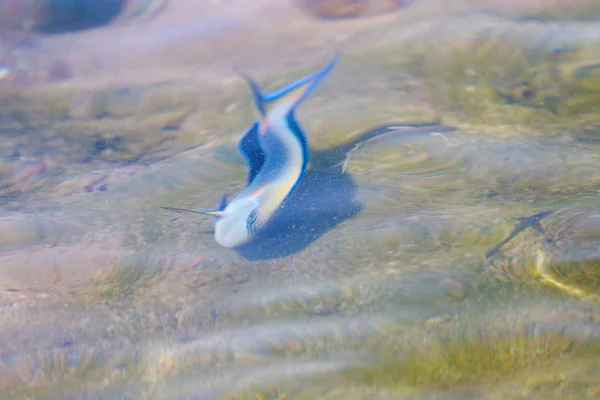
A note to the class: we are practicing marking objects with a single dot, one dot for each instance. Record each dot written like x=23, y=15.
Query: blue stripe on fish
x=296, y=129
x=249, y=148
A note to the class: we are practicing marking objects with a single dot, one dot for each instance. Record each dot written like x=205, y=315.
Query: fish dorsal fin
x=291, y=95
x=250, y=149
x=214, y=213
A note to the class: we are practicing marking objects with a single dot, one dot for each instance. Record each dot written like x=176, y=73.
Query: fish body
x=276, y=150
x=286, y=157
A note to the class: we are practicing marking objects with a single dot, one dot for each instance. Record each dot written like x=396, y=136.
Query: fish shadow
x=324, y=199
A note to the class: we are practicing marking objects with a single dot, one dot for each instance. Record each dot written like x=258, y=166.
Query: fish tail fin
x=291, y=95
x=260, y=97
x=214, y=213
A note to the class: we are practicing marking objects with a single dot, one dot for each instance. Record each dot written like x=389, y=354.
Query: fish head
x=233, y=228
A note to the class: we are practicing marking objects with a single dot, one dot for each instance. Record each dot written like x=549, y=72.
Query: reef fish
x=276, y=150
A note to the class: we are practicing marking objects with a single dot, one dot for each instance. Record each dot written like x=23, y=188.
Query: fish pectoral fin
x=181, y=210
x=215, y=213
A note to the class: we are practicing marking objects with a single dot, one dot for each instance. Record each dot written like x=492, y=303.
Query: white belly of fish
x=282, y=183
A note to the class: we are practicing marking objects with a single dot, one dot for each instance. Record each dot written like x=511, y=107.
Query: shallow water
x=444, y=244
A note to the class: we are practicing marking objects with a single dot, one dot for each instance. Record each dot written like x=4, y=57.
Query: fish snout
x=231, y=231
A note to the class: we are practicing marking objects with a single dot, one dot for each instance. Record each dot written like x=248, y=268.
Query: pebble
x=453, y=288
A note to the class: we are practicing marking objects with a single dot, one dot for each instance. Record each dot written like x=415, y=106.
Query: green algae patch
x=566, y=89
x=453, y=356
x=579, y=381
x=506, y=76
x=465, y=355
x=144, y=123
